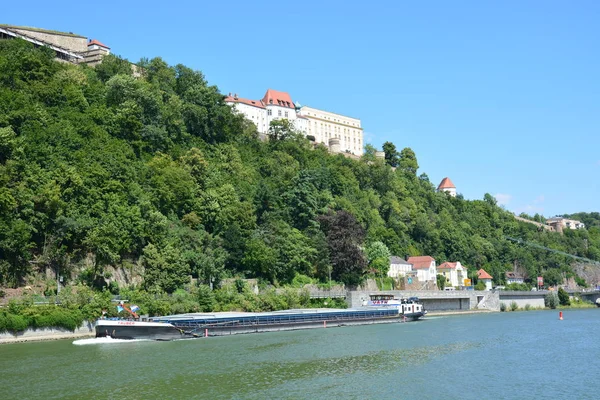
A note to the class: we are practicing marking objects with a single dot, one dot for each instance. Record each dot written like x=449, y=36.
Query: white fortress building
x=340, y=133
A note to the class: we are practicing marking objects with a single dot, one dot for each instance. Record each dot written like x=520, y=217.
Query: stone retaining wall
x=85, y=330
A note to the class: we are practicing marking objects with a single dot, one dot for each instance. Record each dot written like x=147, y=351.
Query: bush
x=518, y=287
x=12, y=323
x=502, y=307
x=551, y=300
x=113, y=287
x=300, y=280
x=206, y=298
x=563, y=297
x=2, y=294
x=480, y=286
x=514, y=306
x=386, y=283
x=527, y=307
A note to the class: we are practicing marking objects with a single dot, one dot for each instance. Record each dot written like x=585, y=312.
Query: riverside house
x=485, y=278
x=454, y=273
x=425, y=268
x=398, y=267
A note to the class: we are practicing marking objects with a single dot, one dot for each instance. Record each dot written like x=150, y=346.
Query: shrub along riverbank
x=77, y=304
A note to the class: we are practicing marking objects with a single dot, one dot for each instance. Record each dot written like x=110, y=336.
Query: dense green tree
x=104, y=169
x=344, y=235
x=392, y=157
x=408, y=161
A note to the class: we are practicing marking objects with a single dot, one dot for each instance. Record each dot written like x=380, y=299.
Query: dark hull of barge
x=223, y=324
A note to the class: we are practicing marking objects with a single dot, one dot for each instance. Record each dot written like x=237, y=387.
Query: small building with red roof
x=485, y=278
x=447, y=186
x=424, y=266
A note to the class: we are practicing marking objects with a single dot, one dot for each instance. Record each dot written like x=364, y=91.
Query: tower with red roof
x=447, y=186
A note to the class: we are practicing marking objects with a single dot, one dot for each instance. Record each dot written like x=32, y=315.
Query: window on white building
x=279, y=113
x=286, y=114
x=269, y=112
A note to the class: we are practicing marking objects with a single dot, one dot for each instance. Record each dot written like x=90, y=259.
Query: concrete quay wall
x=460, y=300
x=534, y=299
x=87, y=329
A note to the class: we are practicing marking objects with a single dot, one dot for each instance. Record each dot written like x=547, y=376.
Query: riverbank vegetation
x=156, y=174
x=77, y=304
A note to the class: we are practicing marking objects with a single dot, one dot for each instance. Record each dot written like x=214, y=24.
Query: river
x=513, y=355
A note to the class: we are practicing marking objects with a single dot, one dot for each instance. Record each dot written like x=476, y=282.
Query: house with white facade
x=560, y=223
x=425, y=267
x=454, y=273
x=398, y=267
x=514, y=277
x=485, y=278
x=340, y=133
x=447, y=186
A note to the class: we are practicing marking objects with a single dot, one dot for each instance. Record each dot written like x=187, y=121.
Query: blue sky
x=502, y=97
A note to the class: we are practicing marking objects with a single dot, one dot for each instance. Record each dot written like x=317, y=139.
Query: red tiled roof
x=92, y=42
x=420, y=262
x=254, y=103
x=481, y=274
x=276, y=98
x=448, y=265
x=446, y=183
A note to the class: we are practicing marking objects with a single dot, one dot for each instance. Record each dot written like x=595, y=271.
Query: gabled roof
x=421, y=262
x=97, y=43
x=398, y=260
x=282, y=99
x=254, y=103
x=481, y=274
x=447, y=265
x=514, y=275
x=446, y=183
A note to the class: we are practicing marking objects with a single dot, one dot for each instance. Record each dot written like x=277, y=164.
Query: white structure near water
x=342, y=134
x=425, y=267
x=398, y=267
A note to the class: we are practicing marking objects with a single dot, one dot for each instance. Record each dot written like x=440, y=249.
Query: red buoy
x=560, y=315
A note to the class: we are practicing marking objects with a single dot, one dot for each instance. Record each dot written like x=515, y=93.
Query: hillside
x=98, y=168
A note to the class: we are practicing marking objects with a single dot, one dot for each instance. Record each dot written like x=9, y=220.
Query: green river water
x=517, y=355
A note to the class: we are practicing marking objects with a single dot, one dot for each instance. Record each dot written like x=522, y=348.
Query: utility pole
x=57, y=278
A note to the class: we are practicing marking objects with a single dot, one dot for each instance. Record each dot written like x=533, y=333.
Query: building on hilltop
x=560, y=223
x=339, y=133
x=68, y=47
x=447, y=186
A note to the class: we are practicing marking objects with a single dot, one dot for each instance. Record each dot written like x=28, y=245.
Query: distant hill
x=99, y=168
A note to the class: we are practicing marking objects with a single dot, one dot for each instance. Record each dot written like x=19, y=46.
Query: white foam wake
x=103, y=340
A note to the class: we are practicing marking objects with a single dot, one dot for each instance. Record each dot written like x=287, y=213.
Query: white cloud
x=503, y=199
x=368, y=137
x=534, y=206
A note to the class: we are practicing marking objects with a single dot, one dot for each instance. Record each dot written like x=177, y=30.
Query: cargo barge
x=193, y=325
